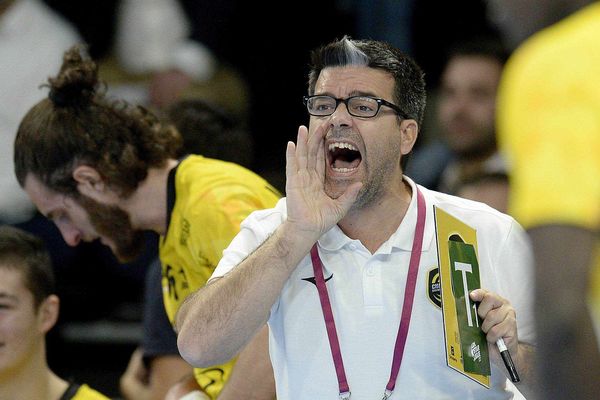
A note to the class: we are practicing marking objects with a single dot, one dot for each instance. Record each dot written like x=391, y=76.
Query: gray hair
x=409, y=88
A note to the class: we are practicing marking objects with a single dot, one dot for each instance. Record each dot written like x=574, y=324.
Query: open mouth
x=344, y=157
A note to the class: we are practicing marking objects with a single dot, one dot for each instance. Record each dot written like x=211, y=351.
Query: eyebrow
x=361, y=93
x=50, y=214
x=351, y=94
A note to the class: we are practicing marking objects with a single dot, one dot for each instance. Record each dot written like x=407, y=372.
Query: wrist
x=297, y=235
x=289, y=245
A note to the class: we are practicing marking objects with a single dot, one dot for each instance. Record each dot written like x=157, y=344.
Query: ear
x=409, y=131
x=89, y=181
x=48, y=313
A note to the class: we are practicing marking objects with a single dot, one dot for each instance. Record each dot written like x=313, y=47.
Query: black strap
x=171, y=193
x=71, y=391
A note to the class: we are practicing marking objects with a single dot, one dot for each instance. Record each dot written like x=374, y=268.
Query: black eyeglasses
x=357, y=106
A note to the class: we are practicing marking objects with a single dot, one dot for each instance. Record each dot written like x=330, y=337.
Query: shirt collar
x=402, y=239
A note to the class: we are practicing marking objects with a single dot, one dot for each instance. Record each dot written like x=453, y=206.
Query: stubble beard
x=483, y=141
x=368, y=193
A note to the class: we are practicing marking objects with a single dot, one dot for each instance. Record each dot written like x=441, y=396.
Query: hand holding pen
x=496, y=311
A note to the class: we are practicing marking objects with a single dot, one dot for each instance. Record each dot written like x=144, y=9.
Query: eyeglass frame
x=380, y=102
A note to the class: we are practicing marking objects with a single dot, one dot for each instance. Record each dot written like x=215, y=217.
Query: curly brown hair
x=77, y=124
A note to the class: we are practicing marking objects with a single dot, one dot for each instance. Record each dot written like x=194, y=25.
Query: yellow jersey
x=207, y=200
x=82, y=392
x=549, y=99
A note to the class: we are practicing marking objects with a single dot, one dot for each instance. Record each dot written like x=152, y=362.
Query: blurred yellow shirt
x=207, y=201
x=549, y=127
x=87, y=393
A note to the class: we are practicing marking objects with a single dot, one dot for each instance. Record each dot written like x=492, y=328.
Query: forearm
x=217, y=321
x=134, y=381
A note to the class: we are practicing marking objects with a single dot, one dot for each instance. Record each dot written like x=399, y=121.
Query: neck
x=148, y=205
x=32, y=380
x=374, y=223
x=471, y=162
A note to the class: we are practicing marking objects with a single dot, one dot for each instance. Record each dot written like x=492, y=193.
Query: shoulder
x=267, y=218
x=198, y=166
x=87, y=393
x=218, y=184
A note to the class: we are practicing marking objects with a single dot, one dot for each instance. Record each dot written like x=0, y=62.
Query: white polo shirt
x=367, y=292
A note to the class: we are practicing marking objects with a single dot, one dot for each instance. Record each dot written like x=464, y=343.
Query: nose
x=70, y=234
x=460, y=102
x=341, y=116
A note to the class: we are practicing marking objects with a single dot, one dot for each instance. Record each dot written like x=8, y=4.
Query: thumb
x=477, y=295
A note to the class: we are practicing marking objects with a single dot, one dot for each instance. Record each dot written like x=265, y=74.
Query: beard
x=468, y=138
x=378, y=172
x=114, y=224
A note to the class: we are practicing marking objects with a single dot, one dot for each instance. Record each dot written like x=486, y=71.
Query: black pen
x=508, y=362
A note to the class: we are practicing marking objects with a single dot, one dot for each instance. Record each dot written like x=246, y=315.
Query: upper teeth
x=341, y=145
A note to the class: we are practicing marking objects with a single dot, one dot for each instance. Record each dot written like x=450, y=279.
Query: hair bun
x=75, y=84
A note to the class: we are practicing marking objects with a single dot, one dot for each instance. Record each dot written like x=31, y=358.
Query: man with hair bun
x=28, y=310
x=107, y=171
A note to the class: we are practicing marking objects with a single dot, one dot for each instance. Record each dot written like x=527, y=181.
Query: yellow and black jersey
x=82, y=392
x=207, y=200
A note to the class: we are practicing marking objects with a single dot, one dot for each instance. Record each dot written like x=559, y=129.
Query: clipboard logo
x=434, y=290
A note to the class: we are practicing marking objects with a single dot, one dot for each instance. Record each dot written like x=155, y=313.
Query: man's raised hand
x=308, y=205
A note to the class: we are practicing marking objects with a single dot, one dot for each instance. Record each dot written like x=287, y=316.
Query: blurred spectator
x=28, y=310
x=153, y=38
x=32, y=39
x=152, y=53
x=212, y=131
x=489, y=188
x=465, y=116
x=549, y=127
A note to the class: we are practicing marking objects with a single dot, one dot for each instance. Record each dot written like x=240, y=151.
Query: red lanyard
x=409, y=294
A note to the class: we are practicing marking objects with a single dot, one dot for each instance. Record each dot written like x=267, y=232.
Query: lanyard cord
x=409, y=292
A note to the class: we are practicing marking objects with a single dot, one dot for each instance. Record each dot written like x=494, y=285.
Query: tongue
x=342, y=163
